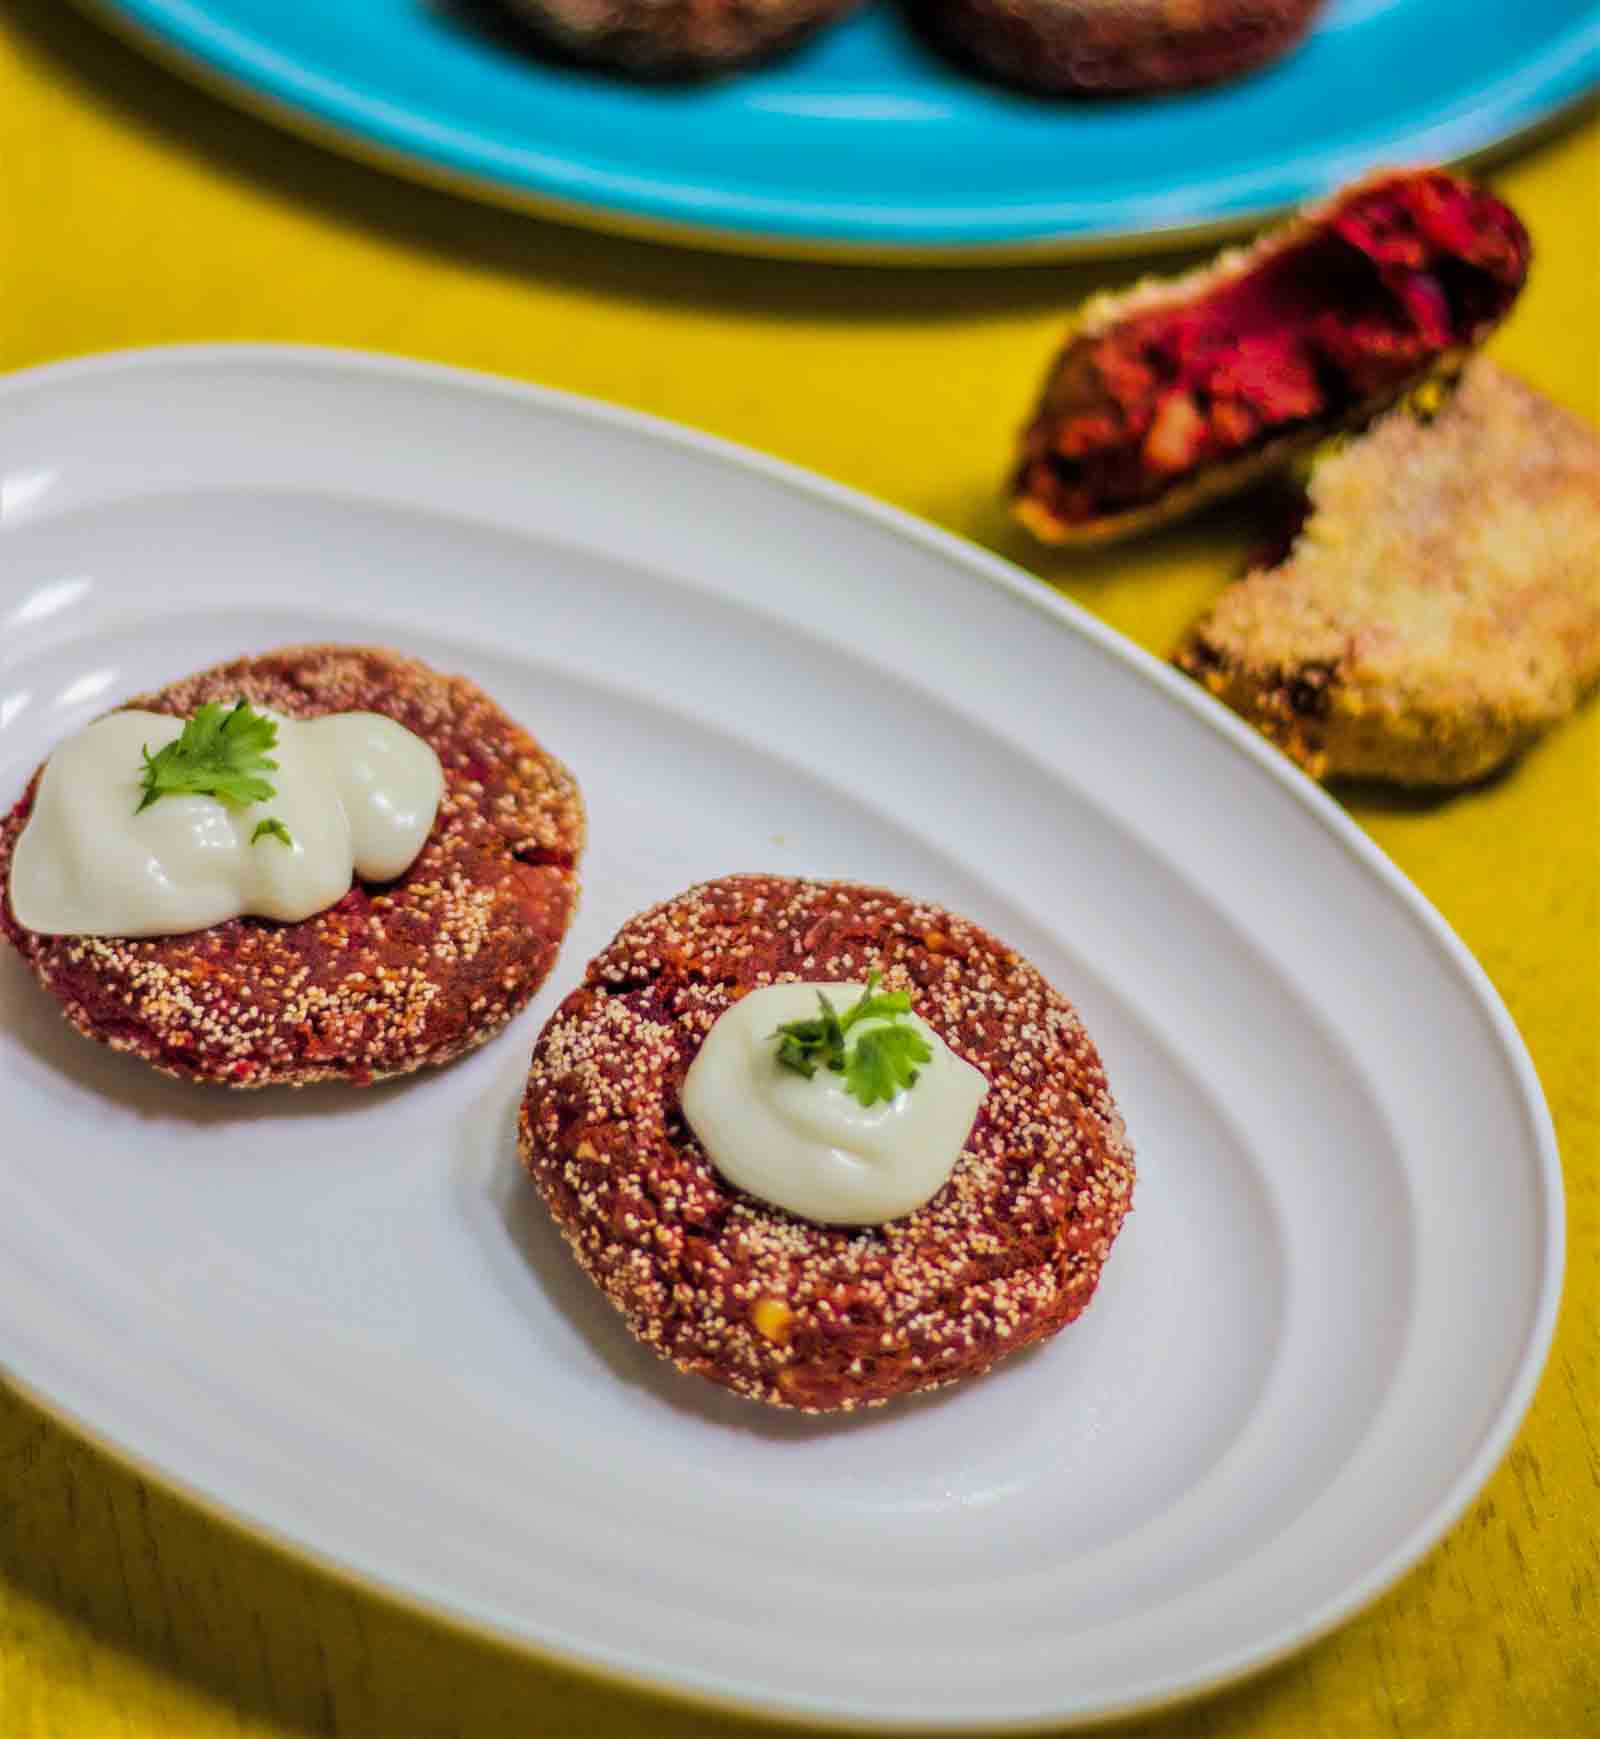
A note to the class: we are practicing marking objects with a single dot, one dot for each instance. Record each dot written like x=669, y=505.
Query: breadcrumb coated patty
x=1440, y=609
x=395, y=975
x=779, y=1308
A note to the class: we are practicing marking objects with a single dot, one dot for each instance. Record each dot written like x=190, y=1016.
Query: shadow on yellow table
x=135, y=210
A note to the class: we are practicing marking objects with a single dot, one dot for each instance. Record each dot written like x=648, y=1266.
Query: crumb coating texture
x=393, y=976
x=1441, y=607
x=775, y=1307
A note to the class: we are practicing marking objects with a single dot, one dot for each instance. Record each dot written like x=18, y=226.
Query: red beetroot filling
x=1394, y=278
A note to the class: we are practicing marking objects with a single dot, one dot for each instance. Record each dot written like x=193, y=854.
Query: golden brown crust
x=1441, y=607
x=393, y=976
x=1073, y=375
x=1107, y=47
x=772, y=1306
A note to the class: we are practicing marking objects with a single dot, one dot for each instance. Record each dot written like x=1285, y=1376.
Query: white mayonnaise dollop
x=356, y=791
x=809, y=1145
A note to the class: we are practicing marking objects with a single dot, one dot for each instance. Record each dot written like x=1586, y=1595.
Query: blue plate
x=866, y=142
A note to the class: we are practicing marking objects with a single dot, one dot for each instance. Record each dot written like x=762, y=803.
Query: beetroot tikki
x=210, y=878
x=908, y=1170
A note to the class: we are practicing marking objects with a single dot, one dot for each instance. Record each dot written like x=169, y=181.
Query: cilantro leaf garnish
x=879, y=1064
x=884, y=1062
x=271, y=828
x=222, y=753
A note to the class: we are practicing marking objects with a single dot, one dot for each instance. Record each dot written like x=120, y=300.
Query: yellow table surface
x=134, y=210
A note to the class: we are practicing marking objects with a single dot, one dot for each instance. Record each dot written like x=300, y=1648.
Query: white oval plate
x=342, y=1318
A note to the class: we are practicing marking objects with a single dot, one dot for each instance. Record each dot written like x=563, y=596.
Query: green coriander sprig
x=884, y=1062
x=881, y=1063
x=221, y=753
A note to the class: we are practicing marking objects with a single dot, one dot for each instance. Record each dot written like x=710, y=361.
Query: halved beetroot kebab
x=1173, y=393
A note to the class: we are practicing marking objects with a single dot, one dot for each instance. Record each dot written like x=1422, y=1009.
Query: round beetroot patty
x=1114, y=47
x=396, y=974
x=666, y=39
x=780, y=1308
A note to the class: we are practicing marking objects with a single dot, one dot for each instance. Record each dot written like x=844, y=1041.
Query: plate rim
x=1511, y=119
x=1498, y=1435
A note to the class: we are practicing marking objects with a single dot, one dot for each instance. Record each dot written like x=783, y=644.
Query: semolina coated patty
x=395, y=975
x=782, y=1309
x=1440, y=609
